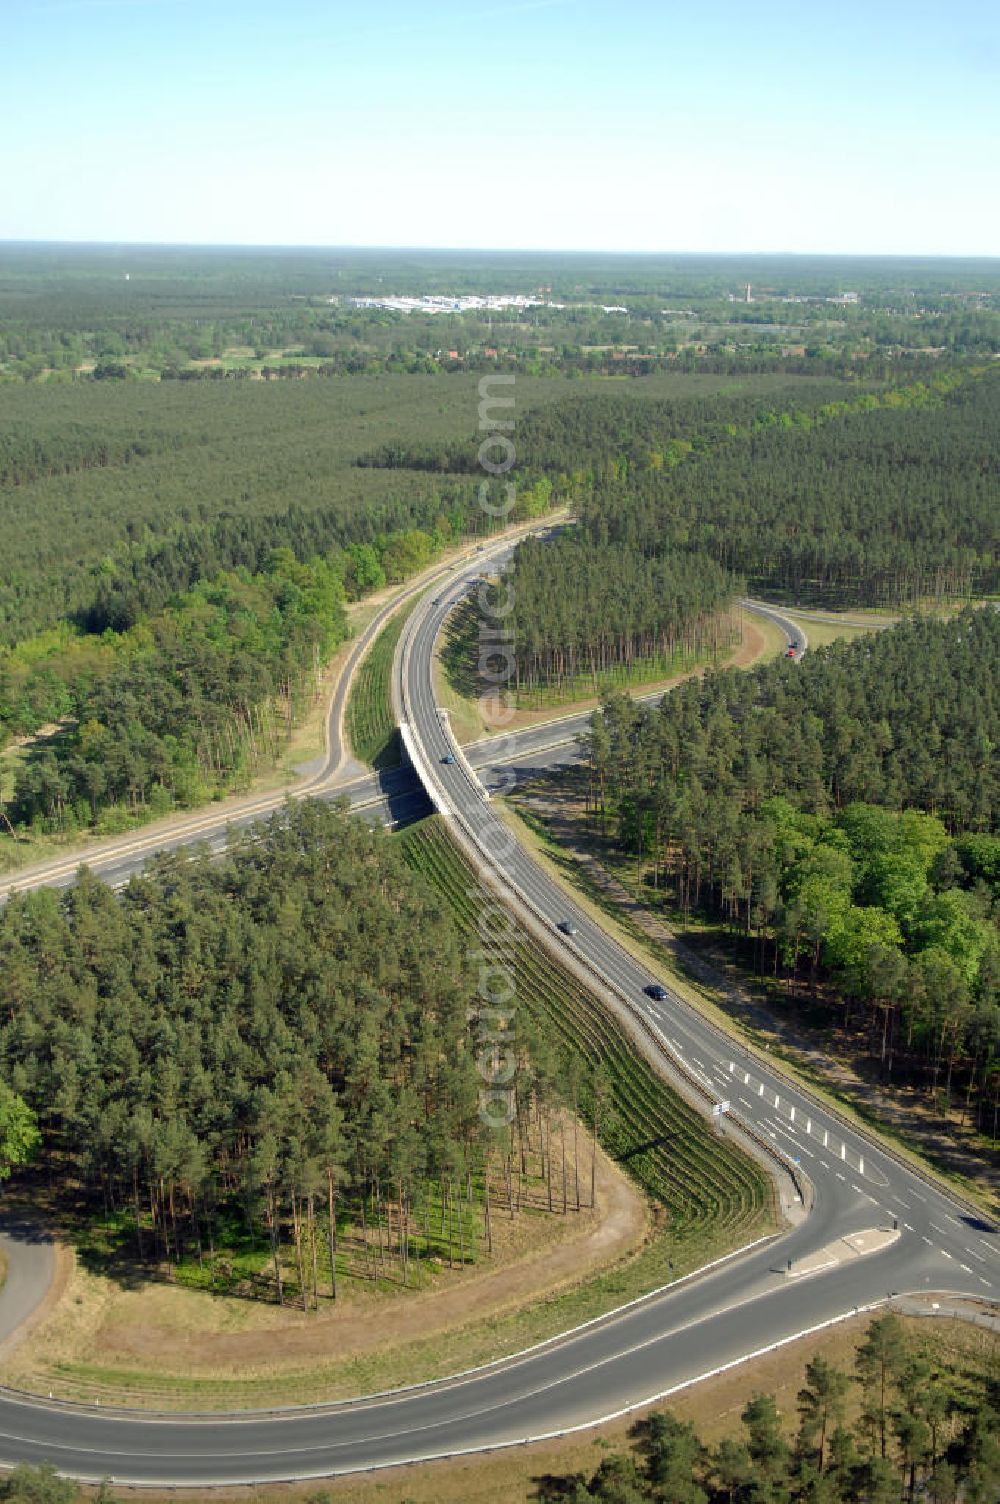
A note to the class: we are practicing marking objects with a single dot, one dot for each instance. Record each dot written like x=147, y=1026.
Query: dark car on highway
x=655, y=991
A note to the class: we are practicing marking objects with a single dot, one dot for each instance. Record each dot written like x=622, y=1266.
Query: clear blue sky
x=588, y=124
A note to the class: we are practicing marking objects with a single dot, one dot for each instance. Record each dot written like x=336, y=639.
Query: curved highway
x=118, y=859
x=768, y=1294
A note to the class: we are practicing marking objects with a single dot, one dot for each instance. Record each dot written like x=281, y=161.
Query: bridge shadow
x=404, y=796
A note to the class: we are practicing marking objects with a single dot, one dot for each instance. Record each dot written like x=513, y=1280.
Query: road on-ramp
x=747, y=1304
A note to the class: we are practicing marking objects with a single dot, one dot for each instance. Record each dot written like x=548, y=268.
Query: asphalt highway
x=768, y=1294
x=332, y=776
x=394, y=796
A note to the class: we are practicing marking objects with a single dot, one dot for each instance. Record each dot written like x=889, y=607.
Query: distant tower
x=749, y=299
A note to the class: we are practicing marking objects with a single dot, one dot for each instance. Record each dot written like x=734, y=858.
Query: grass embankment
x=177, y=1345
x=369, y=721
x=708, y=1197
x=119, y=1336
x=821, y=630
x=696, y=959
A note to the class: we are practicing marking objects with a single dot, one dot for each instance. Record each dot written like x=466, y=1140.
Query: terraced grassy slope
x=711, y=1195
x=371, y=727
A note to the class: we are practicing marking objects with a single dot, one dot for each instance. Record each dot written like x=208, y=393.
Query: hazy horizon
x=545, y=124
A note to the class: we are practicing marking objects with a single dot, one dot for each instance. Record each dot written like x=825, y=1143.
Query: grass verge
x=369, y=721
x=679, y=969
x=708, y=1196
x=966, y=1355
x=457, y=686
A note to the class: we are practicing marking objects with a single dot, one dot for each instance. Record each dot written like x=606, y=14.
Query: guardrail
x=688, y=1083
x=681, y=1070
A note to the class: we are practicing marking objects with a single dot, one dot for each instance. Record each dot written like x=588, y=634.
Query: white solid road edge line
x=519, y=1441
x=889, y=1152
x=300, y=1412
x=651, y=1399
x=152, y=842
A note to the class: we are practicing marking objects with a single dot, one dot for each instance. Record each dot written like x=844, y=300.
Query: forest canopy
x=842, y=815
x=236, y=1038
x=881, y=500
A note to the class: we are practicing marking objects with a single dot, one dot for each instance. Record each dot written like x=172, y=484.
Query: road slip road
x=116, y=860
x=744, y=1306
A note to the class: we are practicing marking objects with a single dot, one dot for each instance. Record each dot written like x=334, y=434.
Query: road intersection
x=907, y=1236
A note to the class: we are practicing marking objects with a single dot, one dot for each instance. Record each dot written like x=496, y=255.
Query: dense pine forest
x=842, y=816
x=119, y=496
x=269, y=1052
x=874, y=499
x=578, y=613
x=922, y=1431
x=592, y=435
x=881, y=500
x=182, y=564
x=884, y=505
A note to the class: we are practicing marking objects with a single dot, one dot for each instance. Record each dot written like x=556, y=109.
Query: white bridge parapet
x=414, y=756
